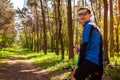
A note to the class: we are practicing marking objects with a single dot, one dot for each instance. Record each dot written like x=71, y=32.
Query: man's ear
x=90, y=15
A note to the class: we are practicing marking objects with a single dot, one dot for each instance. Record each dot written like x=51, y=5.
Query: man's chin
x=82, y=23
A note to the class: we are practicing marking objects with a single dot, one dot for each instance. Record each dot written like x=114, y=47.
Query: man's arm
x=83, y=51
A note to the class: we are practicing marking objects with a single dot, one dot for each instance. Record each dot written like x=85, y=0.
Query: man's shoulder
x=94, y=26
x=88, y=25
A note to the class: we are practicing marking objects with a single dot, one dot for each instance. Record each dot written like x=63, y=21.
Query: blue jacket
x=91, y=46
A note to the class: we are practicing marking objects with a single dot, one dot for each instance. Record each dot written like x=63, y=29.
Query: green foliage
x=52, y=63
x=115, y=60
x=50, y=60
x=9, y=54
x=113, y=73
x=7, y=30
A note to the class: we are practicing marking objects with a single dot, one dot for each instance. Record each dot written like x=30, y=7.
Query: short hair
x=88, y=10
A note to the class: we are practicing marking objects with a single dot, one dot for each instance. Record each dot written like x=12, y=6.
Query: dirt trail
x=20, y=69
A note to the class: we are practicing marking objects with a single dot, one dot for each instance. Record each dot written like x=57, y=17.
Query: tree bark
x=111, y=30
x=117, y=28
x=105, y=31
x=57, y=27
x=70, y=31
x=44, y=30
x=93, y=12
x=60, y=34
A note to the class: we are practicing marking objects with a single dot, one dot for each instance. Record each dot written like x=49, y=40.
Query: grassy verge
x=113, y=69
x=9, y=54
x=112, y=73
x=52, y=63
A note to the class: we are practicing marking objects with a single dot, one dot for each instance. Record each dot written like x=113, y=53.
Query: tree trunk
x=119, y=22
x=83, y=2
x=44, y=30
x=36, y=26
x=105, y=31
x=117, y=39
x=99, y=16
x=117, y=28
x=60, y=34
x=111, y=30
x=70, y=31
x=50, y=29
x=119, y=7
x=57, y=27
x=93, y=12
x=26, y=37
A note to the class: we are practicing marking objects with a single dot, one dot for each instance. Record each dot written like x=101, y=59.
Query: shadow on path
x=20, y=69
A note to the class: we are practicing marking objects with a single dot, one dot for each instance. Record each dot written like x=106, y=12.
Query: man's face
x=84, y=16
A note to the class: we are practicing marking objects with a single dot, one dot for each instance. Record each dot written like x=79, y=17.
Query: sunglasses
x=83, y=13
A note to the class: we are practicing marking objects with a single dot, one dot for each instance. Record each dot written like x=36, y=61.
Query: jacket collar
x=87, y=22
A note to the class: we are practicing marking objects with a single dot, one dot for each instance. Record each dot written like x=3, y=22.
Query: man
x=90, y=58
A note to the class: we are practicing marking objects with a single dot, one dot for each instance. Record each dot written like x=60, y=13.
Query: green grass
x=51, y=62
x=114, y=72
x=9, y=54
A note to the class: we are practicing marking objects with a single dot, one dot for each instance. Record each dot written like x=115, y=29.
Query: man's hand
x=76, y=50
x=74, y=73
x=75, y=70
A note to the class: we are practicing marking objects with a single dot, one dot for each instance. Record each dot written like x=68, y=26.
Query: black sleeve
x=83, y=50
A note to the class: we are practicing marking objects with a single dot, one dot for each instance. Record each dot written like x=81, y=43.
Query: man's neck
x=86, y=22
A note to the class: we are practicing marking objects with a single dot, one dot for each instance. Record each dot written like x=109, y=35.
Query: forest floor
x=20, y=68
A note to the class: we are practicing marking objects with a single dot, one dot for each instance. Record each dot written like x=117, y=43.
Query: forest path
x=20, y=68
